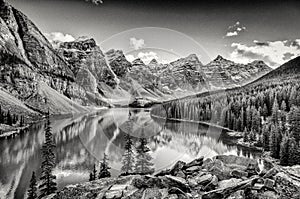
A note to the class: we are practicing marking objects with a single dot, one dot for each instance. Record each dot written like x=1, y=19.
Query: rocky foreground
x=220, y=177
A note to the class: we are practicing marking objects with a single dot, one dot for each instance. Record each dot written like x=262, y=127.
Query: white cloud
x=57, y=37
x=96, y=2
x=235, y=30
x=136, y=43
x=274, y=53
x=146, y=57
x=231, y=34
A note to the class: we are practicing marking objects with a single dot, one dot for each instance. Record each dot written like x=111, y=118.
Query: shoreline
x=15, y=131
x=237, y=136
x=193, y=121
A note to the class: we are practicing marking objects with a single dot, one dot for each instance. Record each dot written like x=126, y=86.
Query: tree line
x=267, y=112
x=10, y=119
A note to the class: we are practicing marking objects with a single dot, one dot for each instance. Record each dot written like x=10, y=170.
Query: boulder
x=213, y=184
x=228, y=183
x=172, y=181
x=162, y=173
x=180, y=174
x=196, y=162
x=258, y=186
x=271, y=173
x=269, y=183
x=242, y=161
x=237, y=195
x=193, y=169
x=238, y=174
x=226, y=192
x=177, y=167
x=204, y=179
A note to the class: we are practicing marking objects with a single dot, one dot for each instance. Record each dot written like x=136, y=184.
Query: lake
x=82, y=140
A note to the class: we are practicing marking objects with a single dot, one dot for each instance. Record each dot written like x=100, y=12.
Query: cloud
x=96, y=2
x=146, y=57
x=235, y=30
x=136, y=43
x=274, y=53
x=57, y=37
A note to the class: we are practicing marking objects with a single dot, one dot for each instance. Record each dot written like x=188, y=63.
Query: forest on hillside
x=268, y=112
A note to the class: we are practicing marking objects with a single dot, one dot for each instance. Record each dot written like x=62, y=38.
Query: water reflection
x=82, y=140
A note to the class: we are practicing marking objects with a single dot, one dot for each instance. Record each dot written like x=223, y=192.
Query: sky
x=242, y=31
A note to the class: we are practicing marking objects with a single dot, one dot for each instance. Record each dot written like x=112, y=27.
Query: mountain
x=27, y=58
x=288, y=70
x=226, y=73
x=82, y=75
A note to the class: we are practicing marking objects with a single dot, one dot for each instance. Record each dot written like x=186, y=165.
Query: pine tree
x=265, y=111
x=294, y=122
x=252, y=136
x=293, y=155
x=128, y=157
x=274, y=142
x=32, y=191
x=284, y=151
x=283, y=106
x=9, y=120
x=266, y=138
x=93, y=174
x=143, y=158
x=275, y=109
x=48, y=184
x=245, y=136
x=104, y=168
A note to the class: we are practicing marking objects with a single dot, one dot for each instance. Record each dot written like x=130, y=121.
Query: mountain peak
x=81, y=43
x=220, y=58
x=153, y=62
x=138, y=61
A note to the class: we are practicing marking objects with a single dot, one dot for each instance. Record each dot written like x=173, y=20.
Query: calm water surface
x=82, y=140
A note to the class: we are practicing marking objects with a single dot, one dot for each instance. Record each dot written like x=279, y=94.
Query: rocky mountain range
x=76, y=75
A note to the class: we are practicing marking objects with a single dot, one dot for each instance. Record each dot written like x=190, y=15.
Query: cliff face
x=84, y=54
x=229, y=74
x=27, y=58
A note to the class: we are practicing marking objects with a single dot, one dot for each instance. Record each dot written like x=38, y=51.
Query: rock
x=271, y=173
x=237, y=195
x=268, y=194
x=212, y=184
x=258, y=186
x=172, y=181
x=220, y=171
x=237, y=160
x=269, y=183
x=116, y=191
x=252, y=169
x=238, y=174
x=150, y=193
x=193, y=169
x=180, y=174
x=226, y=192
x=196, y=162
x=177, y=167
x=192, y=182
x=163, y=173
x=175, y=190
x=204, y=179
x=207, y=161
x=229, y=183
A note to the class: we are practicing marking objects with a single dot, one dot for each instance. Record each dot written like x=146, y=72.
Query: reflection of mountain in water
x=81, y=142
